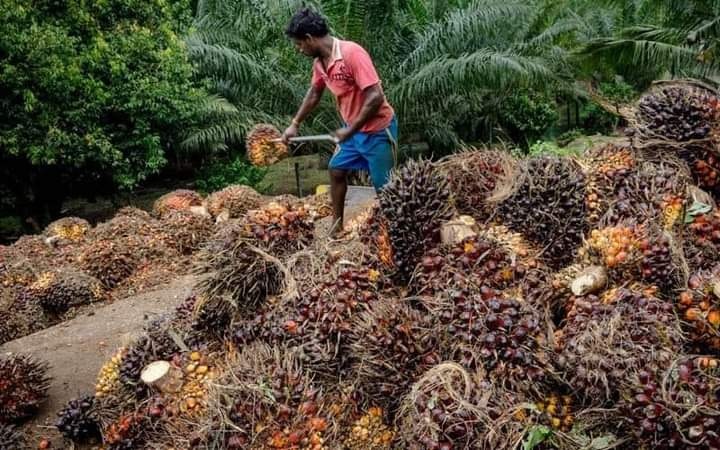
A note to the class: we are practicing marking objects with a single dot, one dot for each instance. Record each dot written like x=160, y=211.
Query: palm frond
x=486, y=70
x=464, y=29
x=241, y=68
x=550, y=35
x=215, y=106
x=679, y=59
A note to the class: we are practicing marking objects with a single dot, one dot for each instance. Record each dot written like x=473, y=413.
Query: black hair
x=306, y=21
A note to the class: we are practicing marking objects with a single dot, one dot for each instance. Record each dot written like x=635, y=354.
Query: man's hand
x=290, y=132
x=343, y=134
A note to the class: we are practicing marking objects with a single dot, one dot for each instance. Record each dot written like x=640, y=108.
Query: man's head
x=307, y=29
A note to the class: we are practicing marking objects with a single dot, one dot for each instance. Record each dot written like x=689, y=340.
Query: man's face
x=306, y=46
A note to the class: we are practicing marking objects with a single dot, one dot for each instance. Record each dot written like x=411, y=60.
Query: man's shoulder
x=351, y=47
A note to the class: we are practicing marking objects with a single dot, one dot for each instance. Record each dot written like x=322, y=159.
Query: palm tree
x=673, y=36
x=445, y=64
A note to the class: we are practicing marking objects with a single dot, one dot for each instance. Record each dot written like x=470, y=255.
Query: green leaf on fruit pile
x=696, y=209
x=537, y=435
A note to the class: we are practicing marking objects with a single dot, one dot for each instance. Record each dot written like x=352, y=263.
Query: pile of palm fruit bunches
x=73, y=266
x=484, y=302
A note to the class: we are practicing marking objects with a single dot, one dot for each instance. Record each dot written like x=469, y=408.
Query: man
x=368, y=139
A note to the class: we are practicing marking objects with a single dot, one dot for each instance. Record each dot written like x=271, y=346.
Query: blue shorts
x=374, y=152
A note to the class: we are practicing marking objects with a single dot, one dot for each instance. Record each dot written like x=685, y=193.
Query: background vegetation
x=105, y=96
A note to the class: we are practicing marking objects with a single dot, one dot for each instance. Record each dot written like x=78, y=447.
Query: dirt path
x=76, y=349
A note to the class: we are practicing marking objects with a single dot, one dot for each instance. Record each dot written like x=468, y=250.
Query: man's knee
x=338, y=176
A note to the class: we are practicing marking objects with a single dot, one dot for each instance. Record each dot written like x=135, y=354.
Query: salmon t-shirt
x=349, y=73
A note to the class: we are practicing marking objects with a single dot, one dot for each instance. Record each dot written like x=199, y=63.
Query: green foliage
x=93, y=91
x=219, y=174
x=679, y=38
x=536, y=436
x=10, y=226
x=594, y=118
x=567, y=137
x=528, y=116
x=540, y=148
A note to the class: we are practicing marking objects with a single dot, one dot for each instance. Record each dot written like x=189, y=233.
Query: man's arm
x=310, y=102
x=374, y=98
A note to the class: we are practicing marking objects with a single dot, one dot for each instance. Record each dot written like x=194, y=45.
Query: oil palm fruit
x=415, y=203
x=23, y=386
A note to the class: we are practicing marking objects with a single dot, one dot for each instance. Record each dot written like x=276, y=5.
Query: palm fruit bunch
x=242, y=272
x=548, y=207
x=67, y=229
x=323, y=317
x=177, y=200
x=699, y=307
x=108, y=379
x=271, y=324
x=183, y=313
x=320, y=205
x=678, y=113
x=674, y=407
x=284, y=228
x=20, y=317
x=78, y=422
x=198, y=373
x=370, y=432
x=470, y=264
x=606, y=167
x=235, y=199
x=262, y=150
x=224, y=237
x=146, y=238
x=546, y=291
x=109, y=261
x=127, y=225
x=672, y=206
x=513, y=242
x=186, y=231
x=34, y=251
x=706, y=171
x=556, y=411
x=58, y=290
x=643, y=194
x=147, y=348
x=500, y=335
x=270, y=402
x=23, y=386
x=241, y=281
x=15, y=270
x=605, y=338
x=133, y=212
x=390, y=345
x=11, y=437
x=702, y=248
x=658, y=267
x=128, y=432
x=213, y=315
x=504, y=337
x=374, y=234
x=443, y=411
x=616, y=247
x=415, y=203
x=473, y=177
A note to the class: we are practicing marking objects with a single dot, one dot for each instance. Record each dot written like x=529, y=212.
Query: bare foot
x=336, y=230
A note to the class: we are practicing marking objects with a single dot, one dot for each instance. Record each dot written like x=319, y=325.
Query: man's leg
x=381, y=154
x=338, y=190
x=345, y=159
